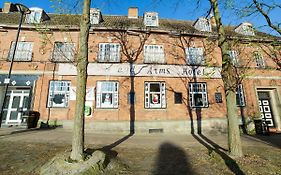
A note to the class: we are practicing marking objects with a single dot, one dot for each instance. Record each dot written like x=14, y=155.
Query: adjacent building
x=145, y=74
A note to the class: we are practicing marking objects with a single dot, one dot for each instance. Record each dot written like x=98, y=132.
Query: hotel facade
x=145, y=74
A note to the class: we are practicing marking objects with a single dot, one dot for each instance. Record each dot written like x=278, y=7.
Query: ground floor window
x=58, y=94
x=240, y=99
x=107, y=94
x=155, y=95
x=198, y=97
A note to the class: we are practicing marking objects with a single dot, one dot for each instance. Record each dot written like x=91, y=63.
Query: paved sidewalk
x=62, y=136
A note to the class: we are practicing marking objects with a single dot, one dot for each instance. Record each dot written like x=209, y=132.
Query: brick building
x=144, y=74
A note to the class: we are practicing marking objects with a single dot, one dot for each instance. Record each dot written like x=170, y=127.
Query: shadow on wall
x=172, y=160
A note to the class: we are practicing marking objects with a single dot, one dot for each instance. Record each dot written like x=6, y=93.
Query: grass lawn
x=27, y=158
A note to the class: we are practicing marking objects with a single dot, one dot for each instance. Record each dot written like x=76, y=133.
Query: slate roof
x=121, y=22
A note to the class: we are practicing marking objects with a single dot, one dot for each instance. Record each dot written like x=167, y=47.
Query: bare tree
x=77, y=152
x=230, y=84
x=264, y=8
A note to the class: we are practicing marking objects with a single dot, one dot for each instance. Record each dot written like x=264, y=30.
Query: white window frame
x=234, y=57
x=23, y=51
x=247, y=30
x=260, y=63
x=151, y=19
x=109, y=52
x=95, y=16
x=154, y=54
x=203, y=24
x=63, y=52
x=198, y=89
x=195, y=56
x=107, y=94
x=240, y=98
x=61, y=88
x=34, y=17
x=159, y=96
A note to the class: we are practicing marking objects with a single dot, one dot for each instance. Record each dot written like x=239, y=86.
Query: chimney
x=7, y=7
x=133, y=12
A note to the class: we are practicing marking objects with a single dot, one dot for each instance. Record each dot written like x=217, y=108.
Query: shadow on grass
x=212, y=146
x=172, y=160
x=274, y=139
x=108, y=149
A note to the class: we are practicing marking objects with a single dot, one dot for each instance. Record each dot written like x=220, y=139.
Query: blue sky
x=174, y=9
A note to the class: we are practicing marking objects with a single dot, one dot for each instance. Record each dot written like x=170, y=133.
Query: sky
x=172, y=9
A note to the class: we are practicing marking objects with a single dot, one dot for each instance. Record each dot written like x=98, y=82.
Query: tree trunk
x=82, y=62
x=230, y=85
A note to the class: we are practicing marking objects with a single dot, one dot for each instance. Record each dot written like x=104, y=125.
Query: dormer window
x=203, y=24
x=36, y=16
x=151, y=19
x=245, y=29
x=95, y=16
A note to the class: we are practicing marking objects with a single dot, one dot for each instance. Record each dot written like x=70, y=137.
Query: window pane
x=16, y=102
x=109, y=52
x=155, y=95
x=58, y=98
x=107, y=95
x=63, y=52
x=14, y=115
x=155, y=98
x=58, y=93
x=198, y=99
x=198, y=95
x=154, y=54
x=154, y=87
x=107, y=99
x=178, y=97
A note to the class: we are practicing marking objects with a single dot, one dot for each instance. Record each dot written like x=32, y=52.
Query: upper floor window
x=151, y=19
x=240, y=99
x=198, y=95
x=23, y=51
x=203, y=24
x=58, y=94
x=107, y=94
x=109, y=52
x=259, y=60
x=194, y=56
x=154, y=54
x=155, y=95
x=63, y=52
x=233, y=55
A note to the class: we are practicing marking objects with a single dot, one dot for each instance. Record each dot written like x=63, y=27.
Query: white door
x=17, y=102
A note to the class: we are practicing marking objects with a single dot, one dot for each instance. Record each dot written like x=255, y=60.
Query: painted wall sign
x=143, y=70
x=90, y=94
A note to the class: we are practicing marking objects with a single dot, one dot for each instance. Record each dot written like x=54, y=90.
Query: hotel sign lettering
x=143, y=70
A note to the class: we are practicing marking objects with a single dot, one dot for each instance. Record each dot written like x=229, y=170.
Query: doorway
x=265, y=108
x=16, y=104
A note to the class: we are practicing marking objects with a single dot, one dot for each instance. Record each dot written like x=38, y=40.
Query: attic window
x=95, y=16
x=34, y=16
x=37, y=15
x=151, y=19
x=245, y=29
x=203, y=24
